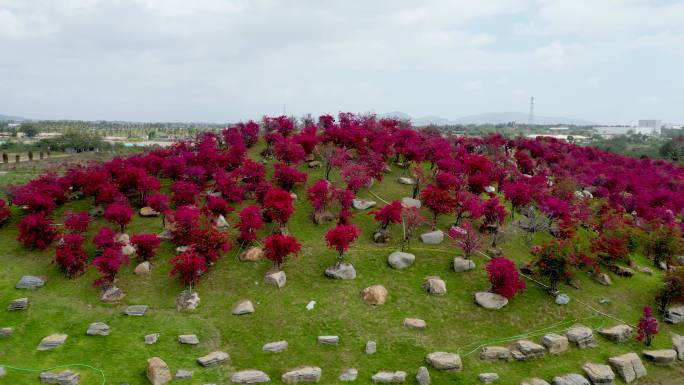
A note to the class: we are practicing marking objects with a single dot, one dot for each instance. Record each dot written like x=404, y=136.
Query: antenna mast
x=531, y=122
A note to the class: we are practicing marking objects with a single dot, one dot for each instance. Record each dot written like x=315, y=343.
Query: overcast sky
x=609, y=61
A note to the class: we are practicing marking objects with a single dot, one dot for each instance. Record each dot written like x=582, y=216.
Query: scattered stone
x=624, y=271
x=314, y=164
x=187, y=300
x=213, y=358
x=599, y=374
x=136, y=310
x=6, y=332
x=410, y=203
x=562, y=299
x=582, y=336
x=677, y=345
x=374, y=295
x=385, y=377
x=490, y=189
x=488, y=378
x=143, y=268
x=495, y=353
x=243, y=307
x=30, y=282
x=381, y=236
x=98, y=329
x=401, y=260
x=361, y=204
x=277, y=279
x=3, y=372
x=250, y=376
x=570, y=379
x=449, y=362
x=147, y=212
x=433, y=237
x=182, y=374
x=18, y=304
x=675, y=314
x=53, y=341
x=371, y=347
x=349, y=375
x=628, y=366
x=415, y=323
x=302, y=374
x=328, y=340
x=461, y=264
x=322, y=217
x=66, y=377
x=112, y=294
x=342, y=270
x=423, y=376
x=158, y=371
x=661, y=357
x=188, y=339
x=151, y=339
x=618, y=333
x=310, y=305
x=490, y=301
x=603, y=279
x=123, y=238
x=407, y=180
x=524, y=350
x=128, y=250
x=534, y=381
x=252, y=254
x=275, y=347
x=605, y=301
x=221, y=222
x=646, y=270
x=165, y=235
x=555, y=343
x=434, y=285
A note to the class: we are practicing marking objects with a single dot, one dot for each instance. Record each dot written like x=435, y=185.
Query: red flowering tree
x=386, y=215
x=520, y=194
x=77, y=222
x=663, y=243
x=108, y=264
x=320, y=195
x=278, y=206
x=279, y=246
x=209, y=241
x=468, y=205
x=494, y=214
x=70, y=256
x=504, y=277
x=119, y=213
x=552, y=260
x=438, y=201
x=184, y=220
x=287, y=177
x=159, y=203
x=217, y=206
x=146, y=245
x=249, y=223
x=340, y=237
x=356, y=176
x=35, y=202
x=4, y=212
x=466, y=238
x=188, y=266
x=287, y=150
x=36, y=231
x=411, y=220
x=647, y=327
x=105, y=238
x=184, y=193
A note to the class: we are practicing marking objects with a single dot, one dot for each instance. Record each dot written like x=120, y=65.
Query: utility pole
x=531, y=121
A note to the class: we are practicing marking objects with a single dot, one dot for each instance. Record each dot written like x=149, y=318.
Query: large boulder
x=401, y=260
x=415, y=323
x=143, y=268
x=582, y=336
x=387, y=377
x=461, y=264
x=245, y=306
x=187, y=300
x=495, y=353
x=433, y=237
x=374, y=295
x=98, y=329
x=661, y=357
x=342, y=270
x=348, y=375
x=434, y=285
x=678, y=345
x=302, y=374
x=570, y=379
x=276, y=278
x=523, y=350
x=490, y=301
x=555, y=343
x=158, y=371
x=52, y=341
x=628, y=366
x=275, y=347
x=252, y=254
x=599, y=374
x=112, y=294
x=444, y=361
x=618, y=333
x=675, y=314
x=250, y=376
x=213, y=358
x=30, y=282
x=410, y=203
x=66, y=377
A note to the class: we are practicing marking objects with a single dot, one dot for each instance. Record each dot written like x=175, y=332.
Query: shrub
x=341, y=236
x=146, y=245
x=108, y=264
x=319, y=194
x=552, y=260
x=390, y=213
x=185, y=219
x=438, y=201
x=672, y=290
x=36, y=231
x=4, y=212
x=77, y=222
x=184, y=193
x=209, y=241
x=249, y=223
x=287, y=177
x=278, y=247
x=647, y=327
x=119, y=213
x=504, y=277
x=278, y=205
x=105, y=238
x=217, y=206
x=188, y=266
x=70, y=256
x=466, y=238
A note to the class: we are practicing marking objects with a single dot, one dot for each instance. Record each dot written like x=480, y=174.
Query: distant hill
x=491, y=118
x=7, y=118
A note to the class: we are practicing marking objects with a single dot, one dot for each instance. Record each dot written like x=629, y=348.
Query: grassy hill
x=454, y=322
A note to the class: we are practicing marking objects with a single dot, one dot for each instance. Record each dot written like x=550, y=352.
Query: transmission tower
x=531, y=122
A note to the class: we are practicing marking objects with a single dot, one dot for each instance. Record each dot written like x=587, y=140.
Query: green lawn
x=454, y=322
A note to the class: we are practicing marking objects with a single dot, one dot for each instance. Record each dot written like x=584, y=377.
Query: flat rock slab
x=302, y=374
x=6, y=332
x=276, y=279
x=18, y=304
x=243, y=307
x=136, y=310
x=677, y=344
x=406, y=180
x=410, y=203
x=415, y=323
x=599, y=374
x=275, y=347
x=52, y=341
x=582, y=336
x=461, y=264
x=449, y=362
x=328, y=340
x=488, y=378
x=661, y=357
x=495, y=353
x=555, y=343
x=30, y=282
x=66, y=377
x=628, y=366
x=349, y=375
x=188, y=339
x=250, y=376
x=98, y=329
x=491, y=301
x=341, y=270
x=386, y=377
x=112, y=294
x=524, y=350
x=675, y=314
x=361, y=204
x=401, y=260
x=213, y=358
x=151, y=339
x=570, y=379
x=618, y=333
x=433, y=237
x=182, y=374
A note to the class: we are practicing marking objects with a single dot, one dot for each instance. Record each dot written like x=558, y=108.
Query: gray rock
x=371, y=347
x=98, y=329
x=328, y=340
x=151, y=339
x=562, y=299
x=341, y=270
x=401, y=260
x=165, y=235
x=495, y=353
x=582, y=336
x=143, y=268
x=250, y=376
x=677, y=345
x=245, y=306
x=3, y=372
x=252, y=254
x=188, y=339
x=66, y=377
x=30, y=282
x=599, y=374
x=605, y=301
x=490, y=189
x=628, y=366
x=534, y=381
x=435, y=286
x=349, y=375
x=488, y=378
x=158, y=371
x=675, y=314
x=386, y=377
x=187, y=300
x=276, y=279
x=433, y=237
x=415, y=323
x=555, y=343
x=406, y=180
x=570, y=379
x=361, y=204
x=136, y=310
x=182, y=374
x=302, y=374
x=661, y=357
x=423, y=376
x=275, y=347
x=461, y=264
x=221, y=222
x=6, y=332
x=147, y=212
x=618, y=333
x=444, y=361
x=213, y=358
x=374, y=295
x=123, y=238
x=18, y=304
x=410, y=203
x=603, y=279
x=490, y=301
x=524, y=350
x=52, y=341
x=112, y=294
x=128, y=250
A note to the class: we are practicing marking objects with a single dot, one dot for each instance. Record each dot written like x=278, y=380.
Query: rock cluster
x=628, y=366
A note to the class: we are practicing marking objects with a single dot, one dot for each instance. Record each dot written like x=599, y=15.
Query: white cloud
x=473, y=85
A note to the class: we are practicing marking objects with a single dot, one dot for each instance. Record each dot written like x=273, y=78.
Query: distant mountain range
x=491, y=118
x=7, y=118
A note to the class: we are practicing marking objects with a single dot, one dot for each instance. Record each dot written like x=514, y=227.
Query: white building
x=649, y=127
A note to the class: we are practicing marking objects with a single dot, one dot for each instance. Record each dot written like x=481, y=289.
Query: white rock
x=275, y=347
x=302, y=374
x=400, y=260
x=444, y=361
x=349, y=375
x=250, y=376
x=410, y=203
x=310, y=305
x=461, y=264
x=433, y=237
x=243, y=307
x=490, y=301
x=277, y=279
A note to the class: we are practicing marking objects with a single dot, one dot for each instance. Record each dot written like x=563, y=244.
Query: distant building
x=614, y=130
x=559, y=128
x=649, y=127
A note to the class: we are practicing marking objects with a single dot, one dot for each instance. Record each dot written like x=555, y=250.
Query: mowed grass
x=454, y=322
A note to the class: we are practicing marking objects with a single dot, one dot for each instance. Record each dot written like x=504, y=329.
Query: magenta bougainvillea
x=277, y=247
x=36, y=231
x=504, y=277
